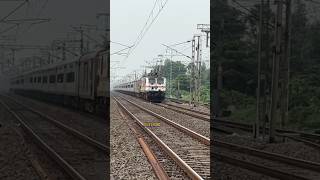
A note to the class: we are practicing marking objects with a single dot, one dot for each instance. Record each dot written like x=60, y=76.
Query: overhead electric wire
x=177, y=51
x=120, y=44
x=8, y=29
x=251, y=15
x=147, y=26
x=117, y=52
x=180, y=43
x=14, y=10
x=43, y=7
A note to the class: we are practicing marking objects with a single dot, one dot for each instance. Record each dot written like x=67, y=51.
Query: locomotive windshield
x=160, y=80
x=152, y=80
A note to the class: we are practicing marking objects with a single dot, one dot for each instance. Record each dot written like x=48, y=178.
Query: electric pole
x=206, y=29
x=170, y=73
x=275, y=71
x=258, y=110
x=195, y=82
x=81, y=41
x=285, y=67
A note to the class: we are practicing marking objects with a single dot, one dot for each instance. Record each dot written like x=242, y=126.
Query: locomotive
x=81, y=83
x=149, y=87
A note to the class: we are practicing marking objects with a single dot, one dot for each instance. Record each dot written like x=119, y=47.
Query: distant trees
x=180, y=79
x=235, y=39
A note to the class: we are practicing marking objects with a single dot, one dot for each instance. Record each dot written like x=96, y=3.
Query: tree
x=298, y=34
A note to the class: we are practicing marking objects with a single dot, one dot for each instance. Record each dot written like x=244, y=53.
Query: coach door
x=86, y=79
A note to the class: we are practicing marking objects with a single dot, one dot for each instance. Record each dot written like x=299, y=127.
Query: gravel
x=186, y=105
x=223, y=171
x=127, y=158
x=17, y=153
x=289, y=148
x=14, y=159
x=93, y=127
x=200, y=126
x=191, y=151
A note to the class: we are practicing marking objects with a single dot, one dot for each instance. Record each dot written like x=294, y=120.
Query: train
x=82, y=83
x=148, y=87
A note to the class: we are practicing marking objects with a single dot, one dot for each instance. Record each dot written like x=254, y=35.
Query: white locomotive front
x=149, y=88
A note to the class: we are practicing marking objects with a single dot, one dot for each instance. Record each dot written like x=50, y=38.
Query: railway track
x=96, y=117
x=307, y=138
x=185, y=147
x=78, y=155
x=187, y=108
x=190, y=112
x=195, y=124
x=180, y=101
x=270, y=164
x=183, y=110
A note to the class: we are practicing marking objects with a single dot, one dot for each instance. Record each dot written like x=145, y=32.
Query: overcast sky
x=176, y=23
x=63, y=14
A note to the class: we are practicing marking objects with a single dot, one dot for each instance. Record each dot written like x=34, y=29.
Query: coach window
x=102, y=65
x=60, y=78
x=45, y=79
x=52, y=79
x=39, y=79
x=31, y=79
x=86, y=78
x=70, y=77
x=35, y=79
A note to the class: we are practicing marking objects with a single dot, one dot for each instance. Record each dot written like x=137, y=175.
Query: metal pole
x=170, y=73
x=81, y=41
x=258, y=113
x=275, y=71
x=286, y=65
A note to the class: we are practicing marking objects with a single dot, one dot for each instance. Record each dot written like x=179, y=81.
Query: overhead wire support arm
x=180, y=43
x=177, y=51
x=120, y=44
x=30, y=19
x=117, y=52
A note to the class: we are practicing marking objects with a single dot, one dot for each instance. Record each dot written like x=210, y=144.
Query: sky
x=176, y=23
x=63, y=15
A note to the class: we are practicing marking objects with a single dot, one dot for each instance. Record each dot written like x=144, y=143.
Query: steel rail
x=156, y=166
x=182, y=164
x=187, y=113
x=69, y=130
x=191, y=133
x=64, y=164
x=309, y=143
x=269, y=155
x=186, y=101
x=256, y=167
x=305, y=138
x=249, y=126
x=188, y=109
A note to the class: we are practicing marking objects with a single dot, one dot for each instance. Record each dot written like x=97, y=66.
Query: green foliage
x=236, y=50
x=177, y=69
x=180, y=80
